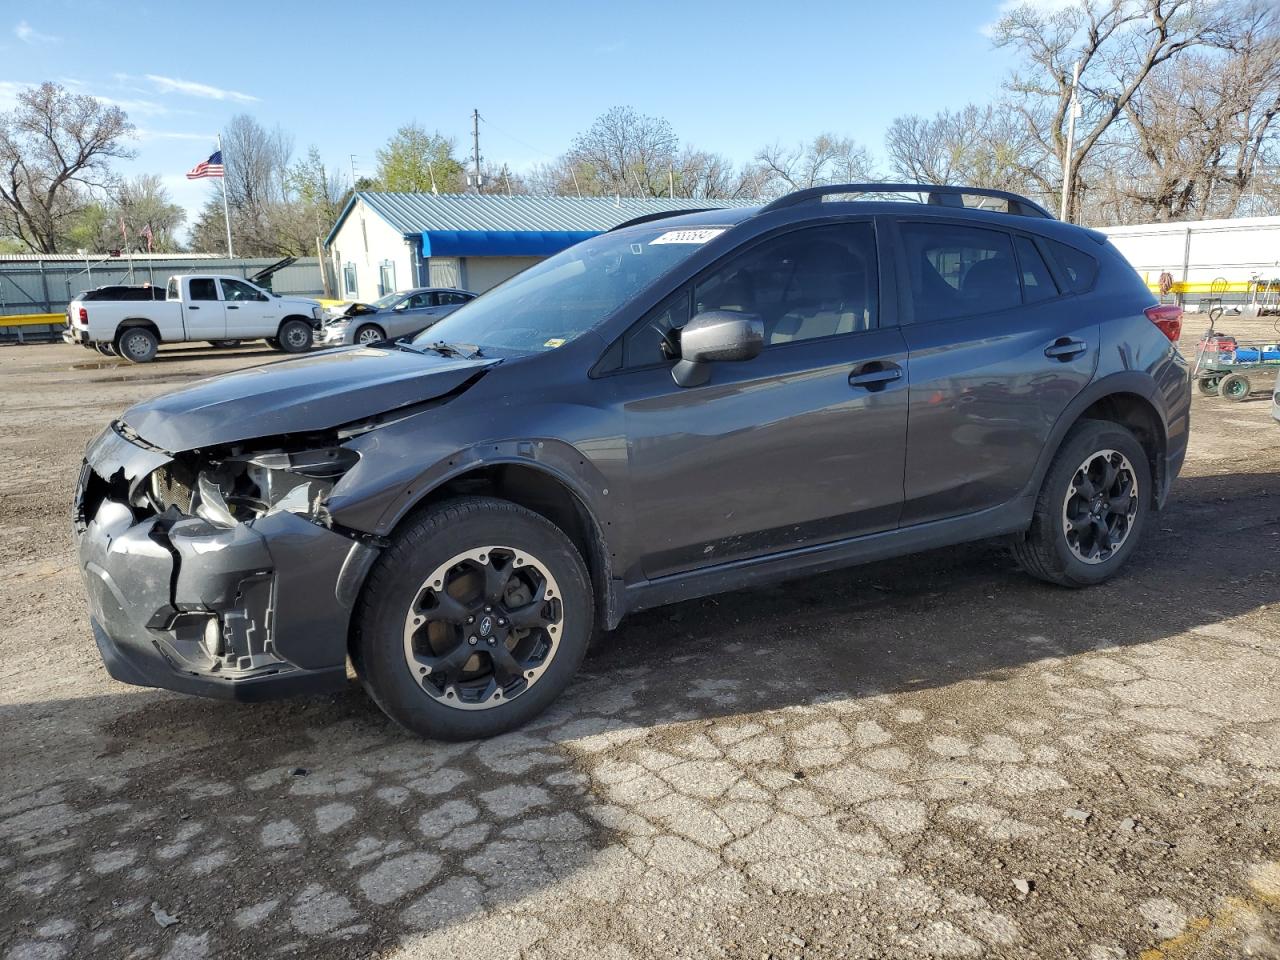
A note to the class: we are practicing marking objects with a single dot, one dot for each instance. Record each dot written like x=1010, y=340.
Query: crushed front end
x=219, y=572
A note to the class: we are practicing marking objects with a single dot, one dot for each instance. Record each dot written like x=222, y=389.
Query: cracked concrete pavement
x=932, y=757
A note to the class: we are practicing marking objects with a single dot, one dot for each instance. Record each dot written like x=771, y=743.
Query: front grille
x=170, y=490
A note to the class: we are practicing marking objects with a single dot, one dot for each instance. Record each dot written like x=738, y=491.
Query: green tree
x=414, y=161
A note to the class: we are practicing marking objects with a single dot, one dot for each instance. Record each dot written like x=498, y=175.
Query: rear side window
x=1037, y=282
x=1079, y=269
x=959, y=271
x=204, y=289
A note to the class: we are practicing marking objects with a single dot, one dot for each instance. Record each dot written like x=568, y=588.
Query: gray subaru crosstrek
x=684, y=405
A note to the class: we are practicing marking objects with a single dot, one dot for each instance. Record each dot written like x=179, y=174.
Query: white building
x=384, y=242
x=1198, y=252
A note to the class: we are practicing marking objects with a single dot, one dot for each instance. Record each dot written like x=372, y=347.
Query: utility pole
x=1073, y=112
x=475, y=146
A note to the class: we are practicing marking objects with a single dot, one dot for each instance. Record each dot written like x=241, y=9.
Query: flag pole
x=226, y=211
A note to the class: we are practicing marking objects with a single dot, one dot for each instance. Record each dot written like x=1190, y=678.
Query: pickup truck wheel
x=369, y=333
x=295, y=336
x=137, y=345
x=1091, y=508
x=474, y=619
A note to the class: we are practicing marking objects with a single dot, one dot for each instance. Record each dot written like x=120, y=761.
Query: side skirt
x=1011, y=517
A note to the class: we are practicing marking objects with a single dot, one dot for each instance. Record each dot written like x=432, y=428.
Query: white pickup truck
x=219, y=309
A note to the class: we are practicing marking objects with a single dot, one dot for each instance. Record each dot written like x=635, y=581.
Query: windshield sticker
x=554, y=342
x=688, y=236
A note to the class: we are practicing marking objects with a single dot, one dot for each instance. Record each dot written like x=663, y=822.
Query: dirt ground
x=932, y=757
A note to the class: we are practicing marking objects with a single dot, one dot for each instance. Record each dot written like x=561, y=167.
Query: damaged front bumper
x=252, y=611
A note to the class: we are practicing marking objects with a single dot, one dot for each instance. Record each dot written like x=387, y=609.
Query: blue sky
x=729, y=76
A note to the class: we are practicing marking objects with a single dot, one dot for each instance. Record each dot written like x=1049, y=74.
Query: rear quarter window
x=1077, y=268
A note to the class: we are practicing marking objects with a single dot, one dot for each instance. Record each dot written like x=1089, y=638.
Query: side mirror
x=402, y=305
x=716, y=335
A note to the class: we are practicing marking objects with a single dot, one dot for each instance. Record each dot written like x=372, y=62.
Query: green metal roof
x=415, y=213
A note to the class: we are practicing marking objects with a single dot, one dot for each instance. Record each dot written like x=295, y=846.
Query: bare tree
x=622, y=152
x=1118, y=44
x=54, y=153
x=824, y=159
x=1199, y=129
x=257, y=171
x=978, y=146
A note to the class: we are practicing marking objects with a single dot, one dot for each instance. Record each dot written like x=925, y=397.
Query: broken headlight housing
x=241, y=486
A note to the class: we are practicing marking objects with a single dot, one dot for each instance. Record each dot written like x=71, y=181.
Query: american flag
x=207, y=168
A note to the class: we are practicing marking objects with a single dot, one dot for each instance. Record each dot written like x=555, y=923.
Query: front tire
x=295, y=336
x=473, y=621
x=137, y=345
x=369, y=334
x=1091, y=509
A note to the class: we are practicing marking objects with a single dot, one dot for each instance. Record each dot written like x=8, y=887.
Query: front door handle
x=193, y=308
x=231, y=307
x=1065, y=348
x=875, y=375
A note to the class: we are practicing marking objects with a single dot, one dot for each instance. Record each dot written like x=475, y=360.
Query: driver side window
x=805, y=284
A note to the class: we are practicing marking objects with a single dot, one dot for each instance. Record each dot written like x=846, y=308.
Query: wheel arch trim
x=586, y=488
x=1123, y=383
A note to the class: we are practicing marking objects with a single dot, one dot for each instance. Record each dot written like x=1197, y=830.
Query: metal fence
x=31, y=285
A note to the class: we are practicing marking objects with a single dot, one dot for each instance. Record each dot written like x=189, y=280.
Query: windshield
x=385, y=301
x=566, y=295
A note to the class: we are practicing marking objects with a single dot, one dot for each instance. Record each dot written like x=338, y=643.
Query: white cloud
x=31, y=36
x=145, y=107
x=143, y=134
x=193, y=89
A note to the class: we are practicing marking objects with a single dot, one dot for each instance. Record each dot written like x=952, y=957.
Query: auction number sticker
x=688, y=236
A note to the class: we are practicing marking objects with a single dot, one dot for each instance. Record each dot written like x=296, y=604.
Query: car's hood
x=297, y=396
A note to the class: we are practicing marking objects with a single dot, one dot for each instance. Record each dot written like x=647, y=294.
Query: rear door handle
x=1065, y=348
x=193, y=308
x=230, y=307
x=875, y=375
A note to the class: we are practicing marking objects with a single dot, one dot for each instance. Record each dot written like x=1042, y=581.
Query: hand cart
x=1231, y=368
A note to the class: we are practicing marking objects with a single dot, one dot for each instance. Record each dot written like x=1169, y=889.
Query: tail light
x=84, y=316
x=1168, y=317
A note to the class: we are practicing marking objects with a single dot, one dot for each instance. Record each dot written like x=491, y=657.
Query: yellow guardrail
x=33, y=319
x=1208, y=286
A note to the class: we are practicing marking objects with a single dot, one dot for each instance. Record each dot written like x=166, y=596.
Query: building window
x=349, y=279
x=386, y=278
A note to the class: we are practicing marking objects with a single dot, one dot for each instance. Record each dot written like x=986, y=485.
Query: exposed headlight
x=241, y=487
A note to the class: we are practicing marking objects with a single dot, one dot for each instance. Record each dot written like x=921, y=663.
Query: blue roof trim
x=500, y=243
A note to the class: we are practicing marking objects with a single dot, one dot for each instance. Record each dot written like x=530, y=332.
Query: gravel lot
x=930, y=757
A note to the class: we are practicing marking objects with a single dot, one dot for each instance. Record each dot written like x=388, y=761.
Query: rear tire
x=368, y=334
x=137, y=345
x=405, y=633
x=1208, y=386
x=295, y=336
x=1235, y=387
x=1076, y=539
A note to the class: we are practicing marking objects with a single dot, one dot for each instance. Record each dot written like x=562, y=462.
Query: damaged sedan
x=687, y=404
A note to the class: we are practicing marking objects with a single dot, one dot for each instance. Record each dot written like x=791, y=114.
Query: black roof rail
x=660, y=215
x=938, y=194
